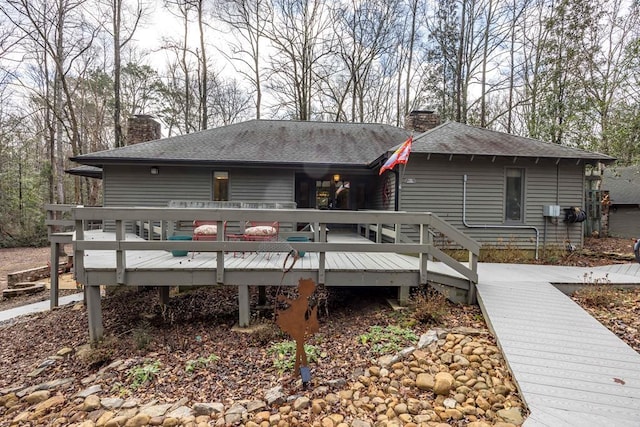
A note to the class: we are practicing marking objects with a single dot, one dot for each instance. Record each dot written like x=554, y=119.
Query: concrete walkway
x=37, y=307
x=571, y=370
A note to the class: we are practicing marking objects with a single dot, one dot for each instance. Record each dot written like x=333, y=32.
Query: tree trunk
x=205, y=71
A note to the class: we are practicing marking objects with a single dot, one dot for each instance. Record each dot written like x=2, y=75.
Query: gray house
x=495, y=187
x=623, y=186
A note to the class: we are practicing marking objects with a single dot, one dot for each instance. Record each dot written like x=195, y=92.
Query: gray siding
x=438, y=188
x=262, y=185
x=135, y=186
x=623, y=221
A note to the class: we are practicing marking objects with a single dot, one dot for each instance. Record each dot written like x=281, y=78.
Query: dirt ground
x=18, y=259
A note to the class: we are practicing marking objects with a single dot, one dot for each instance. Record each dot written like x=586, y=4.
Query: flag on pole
x=400, y=156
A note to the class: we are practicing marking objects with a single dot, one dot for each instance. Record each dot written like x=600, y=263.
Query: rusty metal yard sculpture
x=300, y=320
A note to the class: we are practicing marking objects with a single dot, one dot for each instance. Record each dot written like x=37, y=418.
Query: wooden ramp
x=571, y=370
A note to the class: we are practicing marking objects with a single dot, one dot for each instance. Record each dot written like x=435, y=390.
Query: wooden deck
x=262, y=268
x=571, y=370
x=143, y=258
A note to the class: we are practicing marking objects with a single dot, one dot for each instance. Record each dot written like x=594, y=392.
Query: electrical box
x=551, y=210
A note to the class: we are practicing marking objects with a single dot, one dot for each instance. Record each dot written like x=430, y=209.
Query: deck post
x=121, y=256
x=78, y=256
x=163, y=294
x=424, y=231
x=262, y=296
x=403, y=294
x=220, y=255
x=473, y=266
x=163, y=230
x=323, y=255
x=94, y=313
x=55, y=261
x=243, y=306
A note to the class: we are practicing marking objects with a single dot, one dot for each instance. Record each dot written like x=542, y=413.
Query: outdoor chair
x=261, y=231
x=207, y=230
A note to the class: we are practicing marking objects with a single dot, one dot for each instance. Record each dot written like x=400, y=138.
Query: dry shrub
x=554, y=254
x=430, y=307
x=99, y=354
x=597, y=292
x=504, y=252
x=266, y=333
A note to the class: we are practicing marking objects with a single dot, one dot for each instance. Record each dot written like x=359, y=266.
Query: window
x=514, y=200
x=220, y=186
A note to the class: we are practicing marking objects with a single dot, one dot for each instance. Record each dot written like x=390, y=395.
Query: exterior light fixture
x=154, y=170
x=336, y=177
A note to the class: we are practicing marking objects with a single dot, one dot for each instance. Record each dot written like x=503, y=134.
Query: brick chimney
x=421, y=120
x=141, y=128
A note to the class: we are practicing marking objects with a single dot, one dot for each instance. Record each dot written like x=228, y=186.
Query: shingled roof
x=263, y=142
x=457, y=138
x=623, y=185
x=280, y=142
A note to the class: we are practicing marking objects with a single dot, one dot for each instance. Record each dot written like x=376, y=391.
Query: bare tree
x=608, y=56
x=301, y=38
x=180, y=47
x=249, y=20
x=59, y=35
x=203, y=66
x=230, y=101
x=122, y=29
x=366, y=33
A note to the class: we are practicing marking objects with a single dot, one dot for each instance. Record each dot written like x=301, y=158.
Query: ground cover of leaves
x=197, y=355
x=194, y=326
x=185, y=336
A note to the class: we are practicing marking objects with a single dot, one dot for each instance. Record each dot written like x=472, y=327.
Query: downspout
x=486, y=226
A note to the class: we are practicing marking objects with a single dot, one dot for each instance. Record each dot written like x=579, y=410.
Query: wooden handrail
x=426, y=221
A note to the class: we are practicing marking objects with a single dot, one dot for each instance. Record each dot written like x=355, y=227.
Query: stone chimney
x=421, y=120
x=141, y=128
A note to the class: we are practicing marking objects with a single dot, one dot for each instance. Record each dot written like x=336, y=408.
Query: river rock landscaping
x=184, y=364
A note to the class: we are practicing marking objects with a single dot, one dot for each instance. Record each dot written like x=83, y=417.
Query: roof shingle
x=458, y=138
x=265, y=141
x=327, y=143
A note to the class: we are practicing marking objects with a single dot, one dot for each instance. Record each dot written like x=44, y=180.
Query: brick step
x=28, y=290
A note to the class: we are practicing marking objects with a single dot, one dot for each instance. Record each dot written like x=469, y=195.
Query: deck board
x=570, y=369
x=159, y=267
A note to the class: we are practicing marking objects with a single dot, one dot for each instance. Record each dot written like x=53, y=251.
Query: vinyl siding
x=127, y=186
x=270, y=185
x=135, y=186
x=623, y=221
x=438, y=188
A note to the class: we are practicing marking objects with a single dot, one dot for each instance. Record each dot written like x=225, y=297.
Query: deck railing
x=165, y=219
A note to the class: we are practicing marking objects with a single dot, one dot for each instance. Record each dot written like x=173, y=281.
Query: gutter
x=497, y=226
